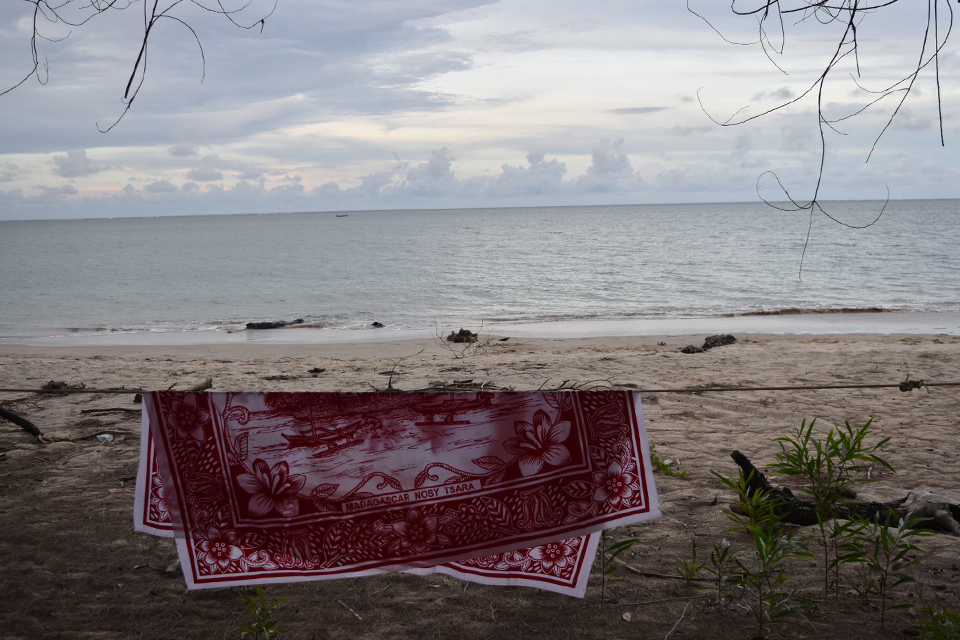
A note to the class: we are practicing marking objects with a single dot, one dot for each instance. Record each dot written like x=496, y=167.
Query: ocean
x=427, y=270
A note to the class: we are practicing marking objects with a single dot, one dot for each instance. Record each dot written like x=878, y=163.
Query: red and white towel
x=506, y=488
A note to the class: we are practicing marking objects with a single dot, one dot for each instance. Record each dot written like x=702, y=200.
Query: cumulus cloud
x=610, y=168
x=541, y=177
x=75, y=164
x=204, y=175
x=160, y=186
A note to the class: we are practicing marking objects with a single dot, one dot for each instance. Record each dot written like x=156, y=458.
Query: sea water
x=421, y=269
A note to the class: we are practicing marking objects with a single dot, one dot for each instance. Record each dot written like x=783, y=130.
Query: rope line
x=903, y=386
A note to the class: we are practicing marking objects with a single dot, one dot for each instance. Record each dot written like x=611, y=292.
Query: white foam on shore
x=926, y=323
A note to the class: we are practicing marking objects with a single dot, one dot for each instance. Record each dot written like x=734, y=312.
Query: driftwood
x=22, y=422
x=939, y=512
x=203, y=386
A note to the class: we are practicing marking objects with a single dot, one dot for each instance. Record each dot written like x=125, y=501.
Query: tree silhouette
x=77, y=14
x=776, y=18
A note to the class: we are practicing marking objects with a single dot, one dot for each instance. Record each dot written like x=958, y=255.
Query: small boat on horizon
x=342, y=215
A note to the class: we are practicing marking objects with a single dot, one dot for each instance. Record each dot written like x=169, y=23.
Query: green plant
x=830, y=468
x=721, y=566
x=688, y=569
x=940, y=625
x=261, y=626
x=883, y=553
x=607, y=564
x=763, y=573
x=663, y=467
x=722, y=560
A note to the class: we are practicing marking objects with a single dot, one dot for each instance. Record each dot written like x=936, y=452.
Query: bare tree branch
x=770, y=16
x=76, y=14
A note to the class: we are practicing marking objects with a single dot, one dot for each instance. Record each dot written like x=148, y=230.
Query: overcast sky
x=382, y=104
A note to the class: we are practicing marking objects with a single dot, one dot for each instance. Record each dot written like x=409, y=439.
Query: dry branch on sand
x=936, y=511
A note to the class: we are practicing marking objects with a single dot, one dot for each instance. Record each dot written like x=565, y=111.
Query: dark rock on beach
x=718, y=341
x=709, y=343
x=273, y=324
x=377, y=325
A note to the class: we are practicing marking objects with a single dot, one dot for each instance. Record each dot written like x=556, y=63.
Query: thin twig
x=674, y=627
x=355, y=614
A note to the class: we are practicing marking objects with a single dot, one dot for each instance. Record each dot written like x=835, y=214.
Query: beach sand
x=74, y=568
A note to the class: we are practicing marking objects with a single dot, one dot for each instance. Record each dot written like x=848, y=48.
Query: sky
x=339, y=105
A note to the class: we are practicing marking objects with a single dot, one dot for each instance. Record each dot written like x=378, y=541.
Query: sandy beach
x=74, y=568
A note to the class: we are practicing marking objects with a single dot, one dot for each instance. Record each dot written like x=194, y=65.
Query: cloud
x=251, y=174
x=160, y=186
x=183, y=150
x=610, y=168
x=76, y=164
x=783, y=94
x=684, y=131
x=542, y=177
x=9, y=172
x=204, y=175
x=62, y=190
x=631, y=111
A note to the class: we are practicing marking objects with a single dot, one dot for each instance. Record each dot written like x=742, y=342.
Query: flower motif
x=539, y=443
x=186, y=418
x=614, y=485
x=274, y=488
x=219, y=550
x=417, y=533
x=158, y=503
x=554, y=557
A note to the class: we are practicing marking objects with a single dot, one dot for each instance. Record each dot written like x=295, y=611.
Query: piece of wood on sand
x=937, y=512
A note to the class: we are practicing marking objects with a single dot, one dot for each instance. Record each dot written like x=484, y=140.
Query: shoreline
x=885, y=323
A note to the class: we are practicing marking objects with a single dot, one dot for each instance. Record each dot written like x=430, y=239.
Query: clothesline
x=903, y=386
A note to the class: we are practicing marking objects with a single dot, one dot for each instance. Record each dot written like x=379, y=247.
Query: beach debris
x=316, y=370
x=464, y=335
x=203, y=386
x=281, y=376
x=378, y=325
x=718, y=341
x=709, y=342
x=273, y=324
x=105, y=438
x=909, y=385
x=940, y=513
x=23, y=423
x=940, y=510
x=111, y=410
x=54, y=386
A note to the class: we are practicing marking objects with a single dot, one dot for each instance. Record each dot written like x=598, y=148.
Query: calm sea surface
x=408, y=269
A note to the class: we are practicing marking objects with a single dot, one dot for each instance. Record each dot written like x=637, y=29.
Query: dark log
x=939, y=512
x=20, y=421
